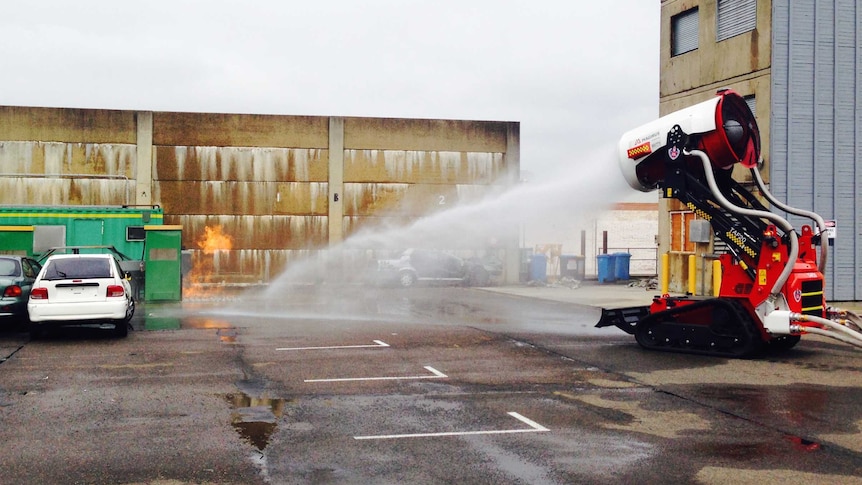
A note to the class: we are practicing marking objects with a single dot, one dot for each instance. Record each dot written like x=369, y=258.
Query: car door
x=10, y=274
x=121, y=276
x=441, y=265
x=452, y=266
x=424, y=264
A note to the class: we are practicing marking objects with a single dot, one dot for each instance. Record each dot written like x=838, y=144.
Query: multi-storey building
x=799, y=66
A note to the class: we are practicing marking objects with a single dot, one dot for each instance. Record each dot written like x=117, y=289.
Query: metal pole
x=716, y=277
x=665, y=274
x=692, y=274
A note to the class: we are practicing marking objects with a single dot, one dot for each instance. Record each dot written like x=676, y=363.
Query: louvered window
x=683, y=28
x=735, y=17
x=752, y=103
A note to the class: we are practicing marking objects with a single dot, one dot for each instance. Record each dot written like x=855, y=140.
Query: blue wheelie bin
x=621, y=265
x=539, y=268
x=605, y=264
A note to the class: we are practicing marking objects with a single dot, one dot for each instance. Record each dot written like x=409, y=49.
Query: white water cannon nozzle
x=722, y=127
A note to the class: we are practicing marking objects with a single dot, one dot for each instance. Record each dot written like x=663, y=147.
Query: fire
x=213, y=240
x=202, y=282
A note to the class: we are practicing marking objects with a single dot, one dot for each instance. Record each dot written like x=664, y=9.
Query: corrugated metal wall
x=816, y=129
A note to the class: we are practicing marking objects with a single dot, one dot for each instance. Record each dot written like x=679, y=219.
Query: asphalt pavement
x=507, y=384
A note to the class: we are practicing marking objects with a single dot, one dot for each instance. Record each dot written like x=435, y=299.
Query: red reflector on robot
x=639, y=151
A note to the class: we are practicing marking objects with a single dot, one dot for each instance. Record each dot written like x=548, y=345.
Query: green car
x=17, y=274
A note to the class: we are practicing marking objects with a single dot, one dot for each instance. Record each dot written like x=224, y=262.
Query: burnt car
x=432, y=266
x=17, y=274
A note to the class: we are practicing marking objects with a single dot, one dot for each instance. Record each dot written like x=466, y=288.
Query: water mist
x=328, y=287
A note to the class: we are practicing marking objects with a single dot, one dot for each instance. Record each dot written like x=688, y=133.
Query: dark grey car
x=426, y=265
x=17, y=274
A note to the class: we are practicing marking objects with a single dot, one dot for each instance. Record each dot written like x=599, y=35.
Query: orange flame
x=213, y=240
x=202, y=281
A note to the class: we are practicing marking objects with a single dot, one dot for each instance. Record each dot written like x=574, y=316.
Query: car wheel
x=36, y=331
x=407, y=279
x=21, y=323
x=121, y=328
x=479, y=277
x=130, y=311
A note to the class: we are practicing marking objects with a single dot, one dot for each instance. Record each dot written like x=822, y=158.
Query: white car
x=81, y=290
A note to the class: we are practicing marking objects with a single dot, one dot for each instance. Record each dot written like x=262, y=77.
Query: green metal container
x=163, y=263
x=16, y=240
x=58, y=226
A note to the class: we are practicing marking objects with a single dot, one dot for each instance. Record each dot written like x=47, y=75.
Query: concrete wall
x=278, y=187
x=742, y=63
x=66, y=157
x=743, y=56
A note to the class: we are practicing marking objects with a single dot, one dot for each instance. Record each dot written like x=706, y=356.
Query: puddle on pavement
x=803, y=444
x=255, y=418
x=205, y=323
x=161, y=323
x=175, y=320
x=227, y=335
x=738, y=451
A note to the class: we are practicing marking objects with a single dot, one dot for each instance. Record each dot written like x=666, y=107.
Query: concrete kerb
x=587, y=293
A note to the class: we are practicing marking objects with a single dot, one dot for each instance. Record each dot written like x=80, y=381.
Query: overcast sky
x=575, y=74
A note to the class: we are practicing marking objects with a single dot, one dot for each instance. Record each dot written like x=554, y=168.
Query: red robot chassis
x=771, y=283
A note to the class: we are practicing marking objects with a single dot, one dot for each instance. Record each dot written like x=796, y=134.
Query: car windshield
x=78, y=268
x=9, y=267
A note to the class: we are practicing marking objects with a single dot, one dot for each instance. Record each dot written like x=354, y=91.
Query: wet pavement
x=427, y=385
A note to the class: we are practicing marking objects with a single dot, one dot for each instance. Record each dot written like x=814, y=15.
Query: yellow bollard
x=665, y=274
x=716, y=277
x=692, y=274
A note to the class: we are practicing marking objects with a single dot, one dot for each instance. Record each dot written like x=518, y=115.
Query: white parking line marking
x=437, y=375
x=377, y=344
x=534, y=428
x=528, y=422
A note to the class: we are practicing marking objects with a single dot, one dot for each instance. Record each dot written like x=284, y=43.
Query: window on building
x=735, y=17
x=683, y=32
x=679, y=238
x=752, y=104
x=135, y=233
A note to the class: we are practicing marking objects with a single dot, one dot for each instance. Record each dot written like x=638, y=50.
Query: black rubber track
x=718, y=327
